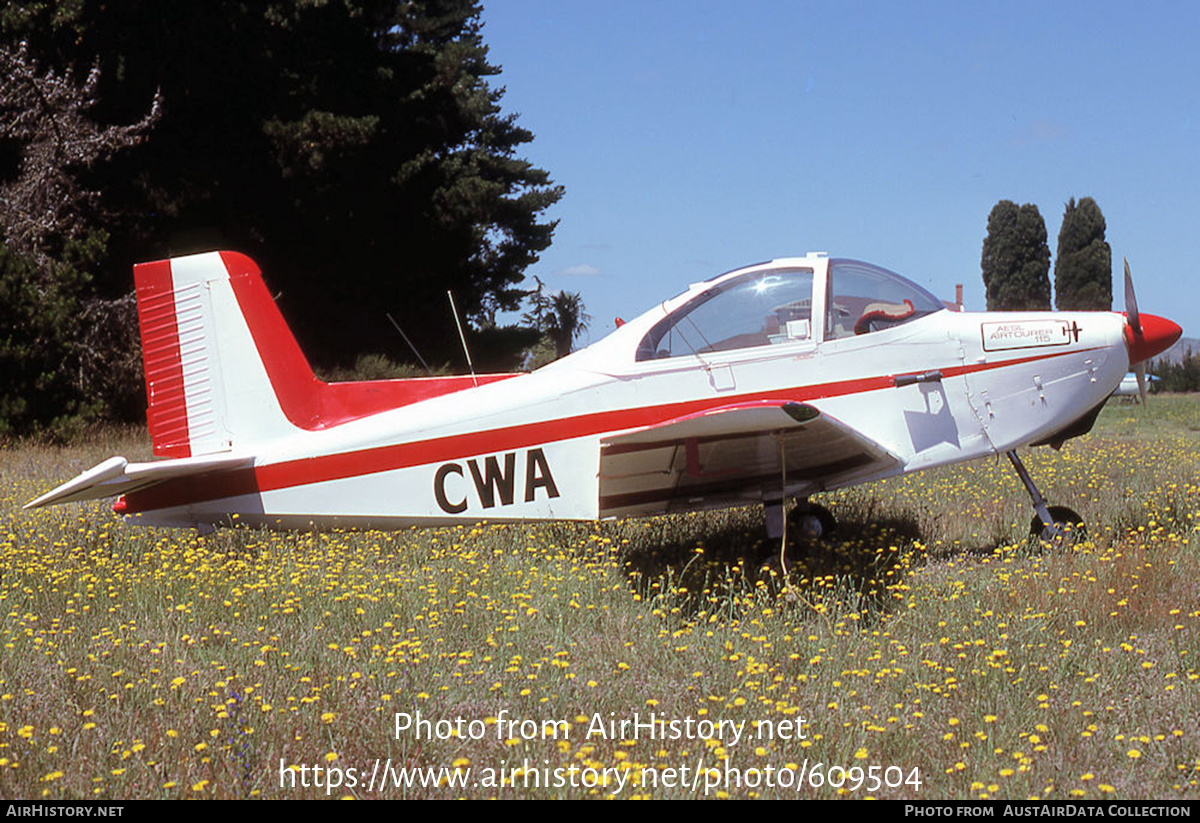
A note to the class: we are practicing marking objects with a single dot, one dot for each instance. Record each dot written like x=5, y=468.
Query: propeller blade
x=1131, y=309
x=1140, y=371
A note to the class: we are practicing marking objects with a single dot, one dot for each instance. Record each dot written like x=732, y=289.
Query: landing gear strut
x=1050, y=522
x=776, y=519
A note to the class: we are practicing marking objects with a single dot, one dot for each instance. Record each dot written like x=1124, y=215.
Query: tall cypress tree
x=1083, y=265
x=1016, y=259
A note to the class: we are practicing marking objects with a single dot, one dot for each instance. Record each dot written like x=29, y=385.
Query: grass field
x=929, y=651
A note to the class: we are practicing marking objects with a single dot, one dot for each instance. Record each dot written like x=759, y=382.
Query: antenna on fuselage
x=396, y=325
x=461, y=336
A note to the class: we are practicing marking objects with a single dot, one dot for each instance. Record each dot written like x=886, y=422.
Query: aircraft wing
x=732, y=454
x=116, y=475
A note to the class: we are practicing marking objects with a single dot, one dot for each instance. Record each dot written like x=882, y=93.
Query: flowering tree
x=49, y=143
x=55, y=359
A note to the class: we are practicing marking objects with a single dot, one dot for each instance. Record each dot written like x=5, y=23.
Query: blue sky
x=696, y=137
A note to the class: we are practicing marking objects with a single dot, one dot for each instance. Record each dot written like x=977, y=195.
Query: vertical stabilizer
x=225, y=373
x=207, y=386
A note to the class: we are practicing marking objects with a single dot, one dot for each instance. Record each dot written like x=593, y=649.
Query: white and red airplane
x=762, y=385
x=1135, y=387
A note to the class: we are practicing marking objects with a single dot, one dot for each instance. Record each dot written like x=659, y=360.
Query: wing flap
x=116, y=475
x=733, y=454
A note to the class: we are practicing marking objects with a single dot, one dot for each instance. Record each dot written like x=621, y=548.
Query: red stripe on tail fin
x=307, y=402
x=296, y=387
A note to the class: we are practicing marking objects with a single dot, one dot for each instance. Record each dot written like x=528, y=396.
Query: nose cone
x=1158, y=334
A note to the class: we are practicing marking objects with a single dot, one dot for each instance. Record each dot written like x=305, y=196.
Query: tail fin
x=210, y=333
x=224, y=372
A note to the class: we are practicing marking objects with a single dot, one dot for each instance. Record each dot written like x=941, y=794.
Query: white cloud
x=1041, y=131
x=582, y=270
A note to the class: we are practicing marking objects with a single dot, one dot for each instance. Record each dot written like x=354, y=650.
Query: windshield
x=757, y=309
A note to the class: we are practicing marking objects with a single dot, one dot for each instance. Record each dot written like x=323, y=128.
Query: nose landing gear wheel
x=1067, y=521
x=1056, y=524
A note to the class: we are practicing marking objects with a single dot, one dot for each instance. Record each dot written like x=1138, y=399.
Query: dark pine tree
x=356, y=149
x=1016, y=259
x=1083, y=265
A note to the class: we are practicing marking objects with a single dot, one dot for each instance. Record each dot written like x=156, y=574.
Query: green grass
x=930, y=636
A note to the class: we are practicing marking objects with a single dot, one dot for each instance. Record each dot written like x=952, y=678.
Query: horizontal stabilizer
x=117, y=476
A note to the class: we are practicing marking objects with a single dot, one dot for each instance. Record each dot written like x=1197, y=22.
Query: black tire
x=812, y=521
x=1068, y=521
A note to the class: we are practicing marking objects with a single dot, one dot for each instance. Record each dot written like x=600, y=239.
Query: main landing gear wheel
x=812, y=521
x=1067, y=522
x=806, y=524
